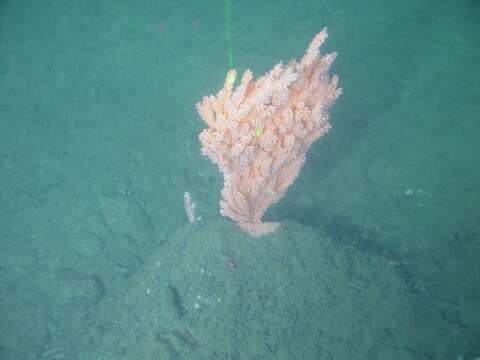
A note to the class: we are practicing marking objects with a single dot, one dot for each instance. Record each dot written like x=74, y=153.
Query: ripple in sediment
x=76, y=294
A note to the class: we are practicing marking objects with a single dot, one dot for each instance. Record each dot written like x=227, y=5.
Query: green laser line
x=228, y=19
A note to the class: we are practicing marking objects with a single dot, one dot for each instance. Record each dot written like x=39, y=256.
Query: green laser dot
x=231, y=78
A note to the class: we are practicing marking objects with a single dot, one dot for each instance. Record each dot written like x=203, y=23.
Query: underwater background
x=377, y=254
